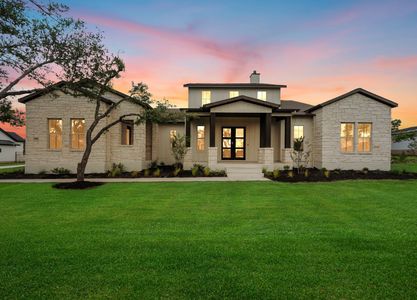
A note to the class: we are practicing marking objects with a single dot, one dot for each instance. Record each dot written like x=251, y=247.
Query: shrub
x=179, y=147
x=60, y=171
x=42, y=172
x=134, y=174
x=402, y=157
x=157, y=172
x=323, y=170
x=337, y=171
x=286, y=167
x=195, y=170
x=306, y=173
x=153, y=164
x=264, y=170
x=291, y=174
x=206, y=171
x=396, y=172
x=176, y=172
x=146, y=172
x=365, y=171
x=116, y=170
x=326, y=173
x=276, y=173
x=218, y=173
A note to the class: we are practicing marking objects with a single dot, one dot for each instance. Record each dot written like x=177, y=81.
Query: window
x=233, y=94
x=364, y=137
x=77, y=133
x=298, y=131
x=347, y=137
x=55, y=133
x=127, y=132
x=205, y=97
x=172, y=134
x=261, y=95
x=200, y=138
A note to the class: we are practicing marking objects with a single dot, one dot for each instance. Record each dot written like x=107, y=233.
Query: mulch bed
x=315, y=175
x=165, y=172
x=75, y=185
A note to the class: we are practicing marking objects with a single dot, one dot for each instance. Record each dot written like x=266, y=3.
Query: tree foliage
x=179, y=148
x=398, y=135
x=300, y=154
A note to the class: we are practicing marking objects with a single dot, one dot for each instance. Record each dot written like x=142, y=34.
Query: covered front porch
x=238, y=132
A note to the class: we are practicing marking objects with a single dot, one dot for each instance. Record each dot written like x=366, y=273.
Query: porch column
x=212, y=130
x=187, y=132
x=287, y=132
x=265, y=131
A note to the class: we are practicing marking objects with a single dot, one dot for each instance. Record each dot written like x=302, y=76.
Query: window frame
x=49, y=134
x=204, y=100
x=370, y=137
x=230, y=94
x=71, y=135
x=353, y=138
x=203, y=139
x=257, y=95
x=127, y=124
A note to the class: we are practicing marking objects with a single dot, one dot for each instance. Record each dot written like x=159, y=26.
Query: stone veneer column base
x=188, y=159
x=212, y=157
x=266, y=157
x=286, y=156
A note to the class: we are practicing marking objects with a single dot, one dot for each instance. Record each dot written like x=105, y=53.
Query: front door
x=233, y=143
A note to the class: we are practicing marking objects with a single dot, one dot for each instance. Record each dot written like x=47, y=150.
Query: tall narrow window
x=205, y=97
x=77, y=134
x=364, y=137
x=55, y=133
x=261, y=95
x=347, y=137
x=127, y=132
x=298, y=131
x=201, y=138
x=172, y=134
x=233, y=94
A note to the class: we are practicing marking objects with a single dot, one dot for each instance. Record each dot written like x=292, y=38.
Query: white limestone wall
x=356, y=108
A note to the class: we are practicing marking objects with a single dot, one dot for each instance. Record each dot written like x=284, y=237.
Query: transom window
x=77, y=134
x=55, y=133
x=364, y=137
x=201, y=137
x=347, y=137
x=298, y=131
x=127, y=132
x=261, y=95
x=205, y=97
x=233, y=94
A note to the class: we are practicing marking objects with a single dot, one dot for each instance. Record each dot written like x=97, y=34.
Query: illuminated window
x=298, y=131
x=55, y=133
x=364, y=137
x=77, y=134
x=347, y=137
x=127, y=132
x=261, y=95
x=233, y=94
x=201, y=138
x=205, y=97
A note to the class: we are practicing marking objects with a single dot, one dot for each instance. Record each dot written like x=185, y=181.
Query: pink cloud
x=400, y=62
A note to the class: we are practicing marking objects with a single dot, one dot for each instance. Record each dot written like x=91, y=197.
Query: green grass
x=13, y=170
x=409, y=163
x=259, y=240
x=10, y=163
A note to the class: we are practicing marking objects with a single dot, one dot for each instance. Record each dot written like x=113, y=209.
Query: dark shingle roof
x=7, y=143
x=292, y=104
x=16, y=137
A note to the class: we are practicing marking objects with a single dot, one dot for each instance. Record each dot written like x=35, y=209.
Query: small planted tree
x=299, y=155
x=179, y=148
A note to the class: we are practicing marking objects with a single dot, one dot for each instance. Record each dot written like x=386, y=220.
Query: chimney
x=255, y=77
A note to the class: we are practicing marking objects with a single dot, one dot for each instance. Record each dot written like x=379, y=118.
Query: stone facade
x=356, y=108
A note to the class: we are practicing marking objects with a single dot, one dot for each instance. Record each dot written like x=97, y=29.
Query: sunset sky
x=320, y=49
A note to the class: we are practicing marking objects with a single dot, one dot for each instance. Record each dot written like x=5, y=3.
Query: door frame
x=233, y=143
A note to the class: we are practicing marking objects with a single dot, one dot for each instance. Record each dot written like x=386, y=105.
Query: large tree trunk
x=83, y=163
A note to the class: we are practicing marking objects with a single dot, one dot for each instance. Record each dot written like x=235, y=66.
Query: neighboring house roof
x=236, y=85
x=360, y=91
x=59, y=85
x=7, y=143
x=14, y=136
x=408, y=129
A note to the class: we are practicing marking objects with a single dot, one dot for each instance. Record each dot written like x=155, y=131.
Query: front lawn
x=257, y=240
x=12, y=170
x=407, y=163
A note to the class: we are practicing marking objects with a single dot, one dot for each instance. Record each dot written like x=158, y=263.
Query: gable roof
x=14, y=136
x=7, y=143
x=360, y=91
x=234, y=85
x=244, y=99
x=59, y=85
x=292, y=104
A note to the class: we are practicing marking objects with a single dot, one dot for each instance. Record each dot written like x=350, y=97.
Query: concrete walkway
x=173, y=179
x=11, y=166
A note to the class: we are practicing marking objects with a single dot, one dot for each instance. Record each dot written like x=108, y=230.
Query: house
x=228, y=125
x=404, y=146
x=12, y=146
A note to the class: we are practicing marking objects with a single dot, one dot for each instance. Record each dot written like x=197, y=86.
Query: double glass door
x=233, y=143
